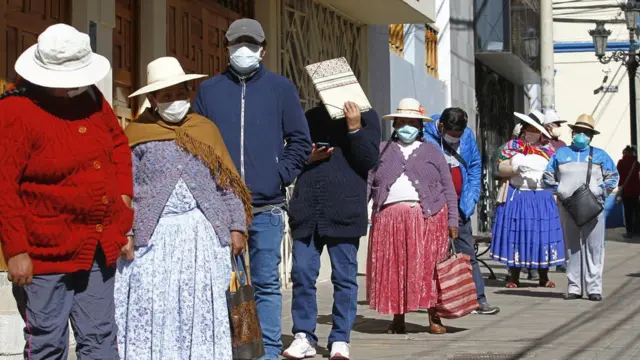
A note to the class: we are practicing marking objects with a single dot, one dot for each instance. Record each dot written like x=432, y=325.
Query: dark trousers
x=464, y=244
x=631, y=211
x=85, y=298
x=343, y=253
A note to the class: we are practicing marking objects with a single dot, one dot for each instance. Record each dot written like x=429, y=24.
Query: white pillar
x=546, y=53
x=153, y=37
x=103, y=14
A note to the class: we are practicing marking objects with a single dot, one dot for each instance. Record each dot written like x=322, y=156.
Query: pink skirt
x=404, y=249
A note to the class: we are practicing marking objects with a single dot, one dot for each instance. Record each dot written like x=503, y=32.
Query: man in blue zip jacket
x=451, y=134
x=257, y=112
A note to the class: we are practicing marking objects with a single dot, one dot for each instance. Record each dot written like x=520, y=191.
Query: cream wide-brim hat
x=408, y=108
x=534, y=118
x=62, y=58
x=586, y=122
x=165, y=72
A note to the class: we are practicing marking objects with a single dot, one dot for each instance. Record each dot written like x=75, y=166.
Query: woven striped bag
x=456, y=290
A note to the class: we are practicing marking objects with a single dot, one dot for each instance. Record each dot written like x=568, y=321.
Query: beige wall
x=578, y=74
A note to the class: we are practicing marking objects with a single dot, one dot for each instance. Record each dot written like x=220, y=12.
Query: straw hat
x=585, y=121
x=535, y=119
x=164, y=72
x=62, y=59
x=552, y=117
x=408, y=108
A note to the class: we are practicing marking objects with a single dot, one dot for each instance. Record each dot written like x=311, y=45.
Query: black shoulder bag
x=582, y=205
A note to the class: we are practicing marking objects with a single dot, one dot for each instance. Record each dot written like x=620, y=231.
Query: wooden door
x=195, y=32
x=125, y=47
x=20, y=25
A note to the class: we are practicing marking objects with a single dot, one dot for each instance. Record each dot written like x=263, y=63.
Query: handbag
x=457, y=295
x=246, y=334
x=583, y=205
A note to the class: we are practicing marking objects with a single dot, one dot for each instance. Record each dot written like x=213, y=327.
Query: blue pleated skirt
x=527, y=231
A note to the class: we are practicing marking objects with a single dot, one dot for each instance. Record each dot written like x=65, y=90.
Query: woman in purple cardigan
x=415, y=211
x=191, y=211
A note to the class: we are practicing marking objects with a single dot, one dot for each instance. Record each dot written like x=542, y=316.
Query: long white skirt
x=171, y=299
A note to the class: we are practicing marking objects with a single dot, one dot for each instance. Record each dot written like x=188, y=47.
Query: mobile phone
x=322, y=144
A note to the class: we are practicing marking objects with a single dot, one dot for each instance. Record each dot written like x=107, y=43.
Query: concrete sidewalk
x=535, y=323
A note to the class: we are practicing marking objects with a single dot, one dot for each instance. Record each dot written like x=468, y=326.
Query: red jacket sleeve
x=121, y=153
x=15, y=146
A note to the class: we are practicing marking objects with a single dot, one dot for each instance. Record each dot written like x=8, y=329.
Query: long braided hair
x=15, y=91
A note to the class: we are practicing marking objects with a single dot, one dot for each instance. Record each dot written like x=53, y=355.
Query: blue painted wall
x=588, y=46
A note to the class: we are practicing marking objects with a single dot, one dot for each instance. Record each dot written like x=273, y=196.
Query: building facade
x=580, y=85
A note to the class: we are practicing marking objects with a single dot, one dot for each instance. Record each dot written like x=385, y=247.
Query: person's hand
x=127, y=251
x=319, y=154
x=20, y=269
x=352, y=113
x=237, y=242
x=517, y=130
x=453, y=232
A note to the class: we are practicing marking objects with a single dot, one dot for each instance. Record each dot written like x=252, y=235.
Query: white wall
x=579, y=73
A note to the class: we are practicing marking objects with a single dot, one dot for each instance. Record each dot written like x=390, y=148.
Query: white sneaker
x=300, y=348
x=339, y=351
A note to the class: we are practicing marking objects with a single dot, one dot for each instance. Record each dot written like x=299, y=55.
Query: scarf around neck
x=201, y=138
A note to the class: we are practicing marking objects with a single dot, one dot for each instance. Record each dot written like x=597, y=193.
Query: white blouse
x=402, y=189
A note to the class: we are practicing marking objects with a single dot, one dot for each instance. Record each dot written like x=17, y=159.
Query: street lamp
x=629, y=57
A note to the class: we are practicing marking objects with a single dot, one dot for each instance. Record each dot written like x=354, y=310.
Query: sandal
x=548, y=284
x=512, y=285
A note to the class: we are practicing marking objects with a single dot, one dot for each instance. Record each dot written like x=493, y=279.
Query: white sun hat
x=535, y=118
x=552, y=117
x=165, y=72
x=62, y=59
x=409, y=108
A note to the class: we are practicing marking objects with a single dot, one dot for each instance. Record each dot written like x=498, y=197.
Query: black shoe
x=486, y=309
x=571, y=296
x=595, y=297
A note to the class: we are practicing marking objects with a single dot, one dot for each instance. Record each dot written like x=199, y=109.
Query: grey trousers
x=85, y=298
x=585, y=254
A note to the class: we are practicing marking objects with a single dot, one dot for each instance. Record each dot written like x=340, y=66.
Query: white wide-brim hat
x=535, y=119
x=62, y=58
x=552, y=117
x=165, y=72
x=408, y=108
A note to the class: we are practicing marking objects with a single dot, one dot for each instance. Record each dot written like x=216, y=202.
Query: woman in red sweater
x=65, y=206
x=629, y=189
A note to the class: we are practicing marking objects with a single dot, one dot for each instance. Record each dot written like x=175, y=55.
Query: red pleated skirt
x=404, y=249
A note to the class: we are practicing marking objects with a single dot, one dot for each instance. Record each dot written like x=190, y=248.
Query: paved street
x=534, y=323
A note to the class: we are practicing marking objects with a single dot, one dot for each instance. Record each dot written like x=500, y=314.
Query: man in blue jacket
x=257, y=112
x=458, y=144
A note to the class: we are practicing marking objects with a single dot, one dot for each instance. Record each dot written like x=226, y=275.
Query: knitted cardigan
x=157, y=167
x=63, y=173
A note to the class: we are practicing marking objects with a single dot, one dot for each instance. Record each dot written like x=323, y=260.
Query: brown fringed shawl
x=200, y=137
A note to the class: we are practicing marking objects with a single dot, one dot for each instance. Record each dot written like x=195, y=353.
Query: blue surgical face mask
x=407, y=134
x=581, y=140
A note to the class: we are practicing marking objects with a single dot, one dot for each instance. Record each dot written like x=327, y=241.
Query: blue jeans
x=265, y=238
x=343, y=253
x=464, y=244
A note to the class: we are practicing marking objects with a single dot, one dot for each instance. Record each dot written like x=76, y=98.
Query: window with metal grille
x=396, y=38
x=431, y=49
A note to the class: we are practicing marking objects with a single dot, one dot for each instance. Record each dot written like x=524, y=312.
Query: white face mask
x=531, y=137
x=451, y=140
x=245, y=58
x=78, y=91
x=556, y=132
x=174, y=112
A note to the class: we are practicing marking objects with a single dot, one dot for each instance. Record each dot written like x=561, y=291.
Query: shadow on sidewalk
x=529, y=293
x=379, y=326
